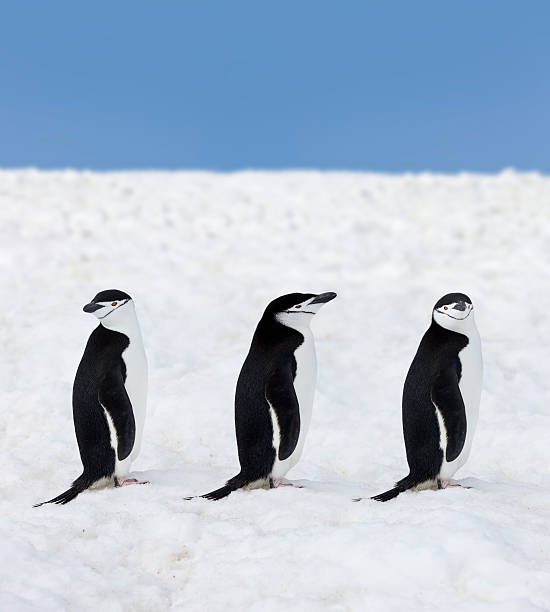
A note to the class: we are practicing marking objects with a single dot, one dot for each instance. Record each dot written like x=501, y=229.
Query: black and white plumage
x=274, y=394
x=109, y=395
x=441, y=397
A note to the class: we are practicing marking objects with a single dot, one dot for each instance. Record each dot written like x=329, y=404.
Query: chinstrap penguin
x=441, y=397
x=109, y=395
x=274, y=394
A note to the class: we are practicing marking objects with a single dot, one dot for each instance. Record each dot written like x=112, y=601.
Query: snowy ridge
x=202, y=254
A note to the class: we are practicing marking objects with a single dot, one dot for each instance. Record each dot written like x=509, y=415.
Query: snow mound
x=202, y=254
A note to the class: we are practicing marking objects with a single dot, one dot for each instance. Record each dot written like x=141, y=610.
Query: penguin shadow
x=470, y=483
x=504, y=487
x=339, y=488
x=163, y=478
x=346, y=490
x=464, y=485
x=192, y=485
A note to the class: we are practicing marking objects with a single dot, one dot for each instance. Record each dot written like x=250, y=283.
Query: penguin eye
x=445, y=308
x=299, y=306
x=114, y=303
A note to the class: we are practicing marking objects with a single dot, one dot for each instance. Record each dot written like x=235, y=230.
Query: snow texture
x=202, y=254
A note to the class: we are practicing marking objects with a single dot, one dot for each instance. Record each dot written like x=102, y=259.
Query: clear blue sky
x=387, y=85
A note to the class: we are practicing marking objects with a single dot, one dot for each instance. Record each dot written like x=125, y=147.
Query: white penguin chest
x=304, y=386
x=305, y=379
x=470, y=388
x=136, y=376
x=136, y=386
x=470, y=380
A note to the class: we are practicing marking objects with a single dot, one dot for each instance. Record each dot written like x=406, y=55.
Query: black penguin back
x=103, y=354
x=433, y=379
x=271, y=352
x=438, y=350
x=272, y=347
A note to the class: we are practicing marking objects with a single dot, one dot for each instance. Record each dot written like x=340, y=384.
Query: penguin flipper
x=113, y=397
x=281, y=396
x=448, y=400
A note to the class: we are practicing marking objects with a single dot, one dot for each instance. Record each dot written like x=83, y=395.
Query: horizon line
x=272, y=169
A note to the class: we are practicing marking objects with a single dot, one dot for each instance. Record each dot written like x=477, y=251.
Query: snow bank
x=202, y=254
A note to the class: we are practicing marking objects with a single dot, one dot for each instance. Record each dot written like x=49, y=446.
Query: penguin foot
x=124, y=482
x=279, y=482
x=447, y=484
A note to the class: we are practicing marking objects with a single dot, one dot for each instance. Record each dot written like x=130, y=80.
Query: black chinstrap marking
x=455, y=318
x=299, y=312
x=115, y=308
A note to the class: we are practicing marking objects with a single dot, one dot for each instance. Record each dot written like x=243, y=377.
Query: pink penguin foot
x=445, y=484
x=124, y=482
x=279, y=482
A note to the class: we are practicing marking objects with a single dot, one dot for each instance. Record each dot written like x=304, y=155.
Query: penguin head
x=454, y=311
x=297, y=309
x=111, y=307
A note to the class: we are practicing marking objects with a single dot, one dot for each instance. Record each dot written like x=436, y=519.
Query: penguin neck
x=455, y=340
x=297, y=322
x=271, y=332
x=127, y=325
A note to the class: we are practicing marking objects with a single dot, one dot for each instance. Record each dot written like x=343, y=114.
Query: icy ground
x=202, y=254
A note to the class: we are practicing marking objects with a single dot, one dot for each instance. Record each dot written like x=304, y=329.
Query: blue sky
x=393, y=86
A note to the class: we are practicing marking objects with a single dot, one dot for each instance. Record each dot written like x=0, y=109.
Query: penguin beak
x=460, y=306
x=91, y=307
x=322, y=298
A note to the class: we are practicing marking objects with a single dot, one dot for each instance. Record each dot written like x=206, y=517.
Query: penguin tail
x=231, y=485
x=219, y=493
x=79, y=485
x=400, y=487
x=387, y=495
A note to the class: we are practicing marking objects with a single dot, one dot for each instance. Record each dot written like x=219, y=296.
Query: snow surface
x=202, y=254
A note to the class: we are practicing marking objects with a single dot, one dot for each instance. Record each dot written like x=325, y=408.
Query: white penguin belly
x=136, y=388
x=470, y=389
x=304, y=385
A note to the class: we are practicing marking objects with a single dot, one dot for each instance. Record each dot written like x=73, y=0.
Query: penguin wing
x=280, y=393
x=113, y=397
x=447, y=398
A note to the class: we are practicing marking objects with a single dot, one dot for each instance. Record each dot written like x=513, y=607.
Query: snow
x=202, y=254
